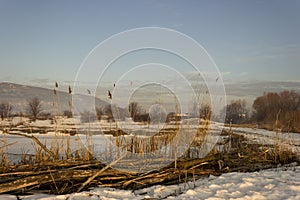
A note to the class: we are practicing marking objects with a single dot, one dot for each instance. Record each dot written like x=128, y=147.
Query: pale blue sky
x=46, y=41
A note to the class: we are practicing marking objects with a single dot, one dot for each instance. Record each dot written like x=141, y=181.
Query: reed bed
x=57, y=170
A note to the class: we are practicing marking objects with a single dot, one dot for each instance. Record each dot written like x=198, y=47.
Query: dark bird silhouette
x=114, y=85
x=89, y=91
x=109, y=94
x=56, y=84
x=70, y=90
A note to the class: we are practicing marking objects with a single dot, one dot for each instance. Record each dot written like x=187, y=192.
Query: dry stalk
x=53, y=180
x=37, y=141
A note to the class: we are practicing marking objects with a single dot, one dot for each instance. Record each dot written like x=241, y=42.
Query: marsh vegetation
x=61, y=154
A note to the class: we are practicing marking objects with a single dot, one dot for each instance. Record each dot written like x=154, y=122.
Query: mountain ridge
x=18, y=95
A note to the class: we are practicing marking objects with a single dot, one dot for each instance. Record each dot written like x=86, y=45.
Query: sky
x=46, y=41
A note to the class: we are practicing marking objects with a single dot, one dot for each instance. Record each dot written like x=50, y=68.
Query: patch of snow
x=8, y=197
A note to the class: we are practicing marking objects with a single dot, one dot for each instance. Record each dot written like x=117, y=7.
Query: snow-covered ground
x=279, y=183
x=290, y=141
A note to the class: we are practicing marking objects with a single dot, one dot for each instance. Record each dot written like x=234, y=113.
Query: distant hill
x=18, y=95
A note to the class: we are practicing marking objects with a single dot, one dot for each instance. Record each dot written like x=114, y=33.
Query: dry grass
x=57, y=170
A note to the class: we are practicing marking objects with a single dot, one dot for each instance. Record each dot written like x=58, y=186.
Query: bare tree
x=283, y=106
x=134, y=110
x=205, y=111
x=5, y=110
x=99, y=112
x=34, y=108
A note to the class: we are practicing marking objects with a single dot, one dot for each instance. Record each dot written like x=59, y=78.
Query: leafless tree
x=205, y=111
x=134, y=110
x=283, y=106
x=34, y=107
x=99, y=112
x=5, y=110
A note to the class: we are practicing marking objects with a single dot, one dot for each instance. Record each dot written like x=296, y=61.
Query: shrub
x=237, y=112
x=68, y=114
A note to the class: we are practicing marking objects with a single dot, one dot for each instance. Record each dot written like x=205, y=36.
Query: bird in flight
x=89, y=91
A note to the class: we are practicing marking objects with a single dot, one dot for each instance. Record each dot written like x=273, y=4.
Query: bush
x=68, y=114
x=142, y=118
x=237, y=112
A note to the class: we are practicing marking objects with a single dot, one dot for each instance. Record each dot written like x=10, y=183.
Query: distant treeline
x=271, y=110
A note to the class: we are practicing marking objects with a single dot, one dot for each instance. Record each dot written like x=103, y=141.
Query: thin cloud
x=41, y=81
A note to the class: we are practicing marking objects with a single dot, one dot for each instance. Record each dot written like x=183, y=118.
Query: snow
x=282, y=182
x=279, y=183
x=289, y=141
